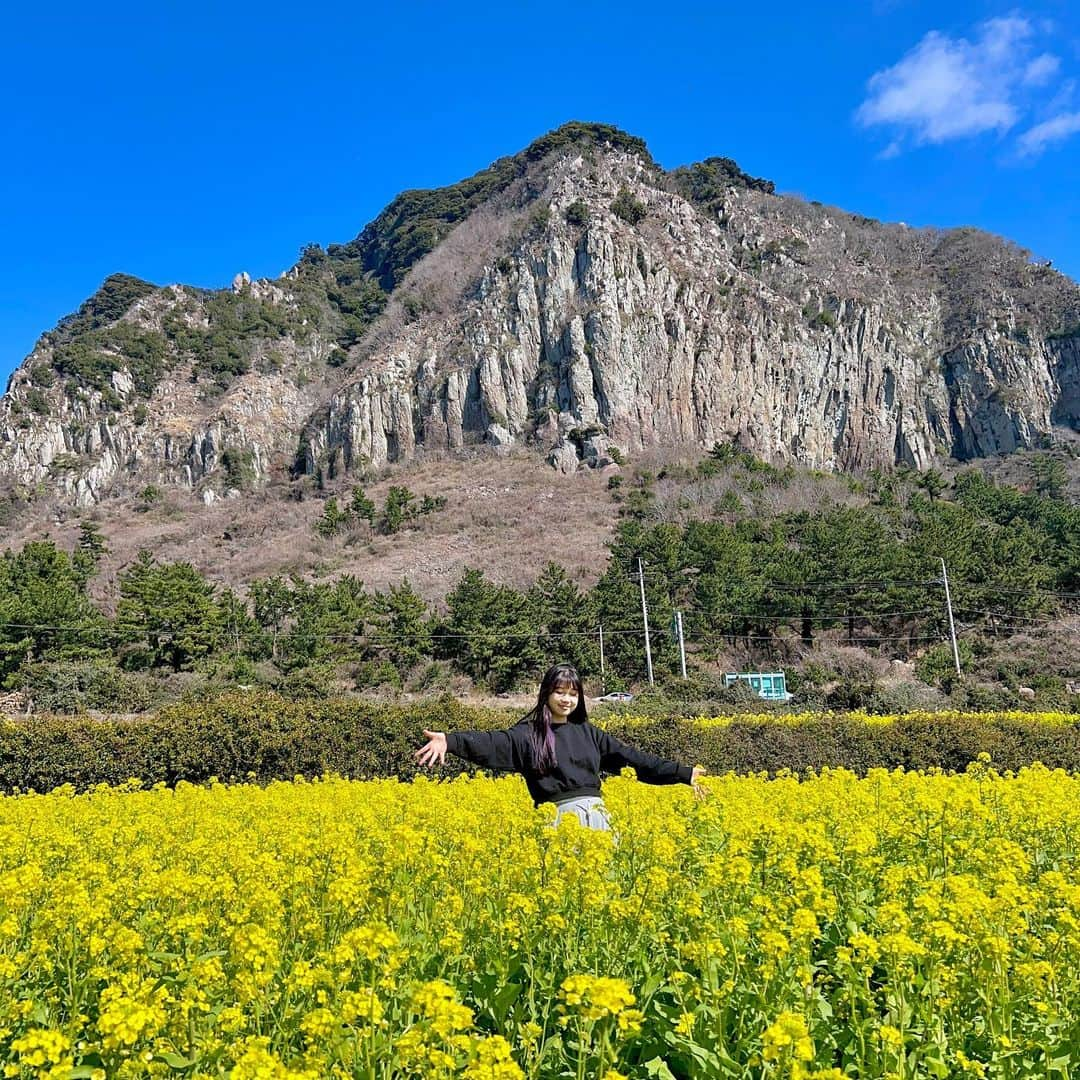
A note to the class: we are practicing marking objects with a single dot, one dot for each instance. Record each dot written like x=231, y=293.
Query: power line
x=807, y=586
x=835, y=616
x=1033, y=620
x=829, y=586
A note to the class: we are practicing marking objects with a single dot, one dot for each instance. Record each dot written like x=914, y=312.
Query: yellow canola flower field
x=797, y=719
x=900, y=926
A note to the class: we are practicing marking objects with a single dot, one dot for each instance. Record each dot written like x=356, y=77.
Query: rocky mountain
x=576, y=298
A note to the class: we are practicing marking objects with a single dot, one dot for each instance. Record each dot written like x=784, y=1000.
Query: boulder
x=564, y=458
x=499, y=436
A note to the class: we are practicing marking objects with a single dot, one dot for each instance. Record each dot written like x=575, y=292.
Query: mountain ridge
x=575, y=297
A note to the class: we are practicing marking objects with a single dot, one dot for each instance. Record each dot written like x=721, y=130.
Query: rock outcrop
x=593, y=306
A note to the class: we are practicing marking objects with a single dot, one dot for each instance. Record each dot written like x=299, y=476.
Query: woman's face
x=562, y=701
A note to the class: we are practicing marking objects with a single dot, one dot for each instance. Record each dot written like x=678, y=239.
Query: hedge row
x=263, y=737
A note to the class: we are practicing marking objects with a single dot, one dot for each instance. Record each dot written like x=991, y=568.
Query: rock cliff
x=576, y=298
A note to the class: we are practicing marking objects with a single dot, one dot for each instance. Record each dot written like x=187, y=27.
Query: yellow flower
x=40, y=1046
x=787, y=1034
x=890, y=1037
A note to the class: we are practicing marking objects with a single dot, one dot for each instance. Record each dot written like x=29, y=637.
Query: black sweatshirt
x=581, y=751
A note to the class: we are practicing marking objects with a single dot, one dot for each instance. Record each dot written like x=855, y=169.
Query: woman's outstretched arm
x=488, y=749
x=616, y=755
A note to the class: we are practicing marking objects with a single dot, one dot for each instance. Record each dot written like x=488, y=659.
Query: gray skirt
x=588, y=809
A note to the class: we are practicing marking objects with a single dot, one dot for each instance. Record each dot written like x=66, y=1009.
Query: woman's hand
x=700, y=791
x=433, y=750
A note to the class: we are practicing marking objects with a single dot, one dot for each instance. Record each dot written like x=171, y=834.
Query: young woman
x=558, y=752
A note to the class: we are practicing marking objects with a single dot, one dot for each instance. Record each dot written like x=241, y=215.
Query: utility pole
x=952, y=625
x=682, y=643
x=645, y=619
x=603, y=680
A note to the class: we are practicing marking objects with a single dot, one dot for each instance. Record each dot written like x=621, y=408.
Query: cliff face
x=589, y=301
x=767, y=321
x=83, y=439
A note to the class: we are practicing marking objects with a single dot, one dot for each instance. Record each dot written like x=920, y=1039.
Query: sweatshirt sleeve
x=616, y=755
x=488, y=749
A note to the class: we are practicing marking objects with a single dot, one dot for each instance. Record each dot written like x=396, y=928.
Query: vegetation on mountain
x=628, y=208
x=90, y=359
x=577, y=213
x=824, y=592
x=399, y=509
x=706, y=183
x=416, y=221
x=111, y=301
x=332, y=296
x=236, y=324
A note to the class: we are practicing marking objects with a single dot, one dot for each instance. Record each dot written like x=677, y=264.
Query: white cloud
x=955, y=87
x=1036, y=139
x=1041, y=70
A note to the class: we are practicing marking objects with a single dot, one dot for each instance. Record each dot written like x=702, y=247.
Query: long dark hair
x=541, y=734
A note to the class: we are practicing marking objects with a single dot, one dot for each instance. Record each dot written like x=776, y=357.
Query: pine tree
x=44, y=610
x=488, y=631
x=90, y=550
x=564, y=619
x=361, y=507
x=169, y=608
x=272, y=604
x=332, y=520
x=402, y=626
x=397, y=509
x=1049, y=475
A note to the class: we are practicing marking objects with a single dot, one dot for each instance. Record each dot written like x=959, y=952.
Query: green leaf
x=176, y=1061
x=651, y=985
x=657, y=1067
x=502, y=1001
x=210, y=955
x=933, y=1061
x=707, y=1059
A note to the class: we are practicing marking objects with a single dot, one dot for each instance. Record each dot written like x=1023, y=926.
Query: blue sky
x=187, y=142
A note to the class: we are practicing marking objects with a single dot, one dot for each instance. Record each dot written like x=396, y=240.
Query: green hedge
x=265, y=736
x=236, y=736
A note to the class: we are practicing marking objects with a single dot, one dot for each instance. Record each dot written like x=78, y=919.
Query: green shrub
x=316, y=682
x=271, y=736
x=628, y=208
x=91, y=359
x=42, y=375
x=116, y=294
x=376, y=673
x=538, y=219
x=74, y=686
x=707, y=182
x=239, y=466
x=577, y=213
x=36, y=401
x=938, y=666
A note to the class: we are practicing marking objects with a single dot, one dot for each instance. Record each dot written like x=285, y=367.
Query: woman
x=559, y=752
